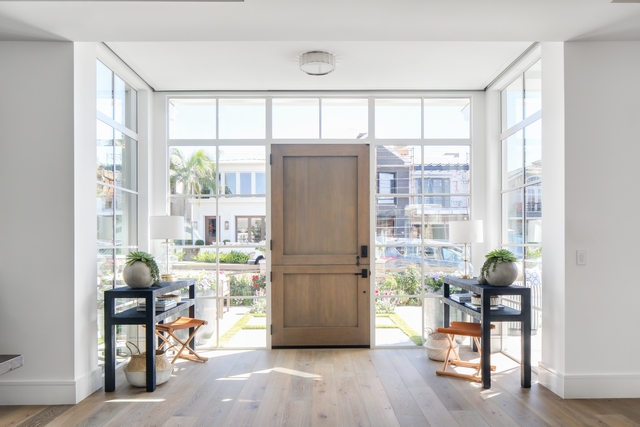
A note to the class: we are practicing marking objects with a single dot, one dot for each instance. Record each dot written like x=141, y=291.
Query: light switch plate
x=581, y=257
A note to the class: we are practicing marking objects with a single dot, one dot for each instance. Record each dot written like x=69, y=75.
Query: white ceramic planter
x=504, y=274
x=137, y=275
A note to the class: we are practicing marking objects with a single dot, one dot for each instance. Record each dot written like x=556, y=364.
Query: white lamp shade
x=465, y=231
x=166, y=227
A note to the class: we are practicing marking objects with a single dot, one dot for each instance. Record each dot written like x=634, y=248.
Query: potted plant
x=499, y=269
x=141, y=270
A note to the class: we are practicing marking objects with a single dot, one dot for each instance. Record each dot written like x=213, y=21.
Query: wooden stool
x=466, y=329
x=177, y=325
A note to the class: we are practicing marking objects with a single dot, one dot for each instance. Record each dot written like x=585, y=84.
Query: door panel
x=320, y=220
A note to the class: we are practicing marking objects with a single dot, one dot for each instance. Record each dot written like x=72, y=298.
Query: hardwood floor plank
x=538, y=400
x=617, y=420
x=409, y=374
x=441, y=386
x=469, y=419
x=379, y=408
x=343, y=363
x=297, y=413
x=324, y=402
x=352, y=410
x=45, y=416
x=221, y=403
x=14, y=415
x=244, y=411
x=301, y=387
x=195, y=403
x=401, y=399
x=180, y=422
x=274, y=405
x=483, y=403
x=432, y=407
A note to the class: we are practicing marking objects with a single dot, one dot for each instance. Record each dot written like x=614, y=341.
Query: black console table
x=486, y=316
x=149, y=318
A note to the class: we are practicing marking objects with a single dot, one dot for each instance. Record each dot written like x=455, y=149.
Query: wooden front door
x=320, y=223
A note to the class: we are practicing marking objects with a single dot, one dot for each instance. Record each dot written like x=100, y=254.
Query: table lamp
x=166, y=227
x=465, y=232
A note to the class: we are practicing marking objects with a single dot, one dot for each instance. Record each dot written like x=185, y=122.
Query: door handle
x=364, y=273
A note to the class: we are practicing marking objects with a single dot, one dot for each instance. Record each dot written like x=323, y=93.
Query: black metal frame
x=487, y=316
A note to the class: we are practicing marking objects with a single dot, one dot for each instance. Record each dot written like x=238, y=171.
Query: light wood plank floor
x=327, y=387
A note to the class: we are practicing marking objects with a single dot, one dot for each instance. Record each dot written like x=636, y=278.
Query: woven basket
x=437, y=345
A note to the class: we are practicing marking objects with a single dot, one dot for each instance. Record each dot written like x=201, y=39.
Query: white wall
x=591, y=342
x=47, y=307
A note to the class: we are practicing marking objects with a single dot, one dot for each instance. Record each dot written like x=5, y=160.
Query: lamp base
x=169, y=277
x=466, y=276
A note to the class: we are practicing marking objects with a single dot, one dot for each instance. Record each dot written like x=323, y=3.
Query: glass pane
x=296, y=118
x=533, y=151
x=512, y=217
x=192, y=170
x=398, y=118
x=106, y=272
x=513, y=156
x=447, y=118
x=105, y=215
x=194, y=210
x=192, y=118
x=125, y=161
x=512, y=103
x=230, y=186
x=105, y=160
x=242, y=118
x=119, y=107
x=533, y=197
x=533, y=89
x=261, y=183
x=446, y=170
x=242, y=229
x=395, y=165
x=245, y=183
x=126, y=219
x=345, y=118
x=239, y=164
x=104, y=89
x=258, y=230
x=393, y=221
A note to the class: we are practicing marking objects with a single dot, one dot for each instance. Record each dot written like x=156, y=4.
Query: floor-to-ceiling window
x=522, y=195
x=117, y=191
x=423, y=161
x=218, y=173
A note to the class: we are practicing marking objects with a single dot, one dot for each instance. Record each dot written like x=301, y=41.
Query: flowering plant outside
x=259, y=281
x=205, y=279
x=386, y=304
x=433, y=283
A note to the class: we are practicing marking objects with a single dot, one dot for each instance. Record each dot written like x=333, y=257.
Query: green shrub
x=205, y=257
x=234, y=257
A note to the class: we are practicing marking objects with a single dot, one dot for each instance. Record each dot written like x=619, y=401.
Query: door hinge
x=270, y=159
x=271, y=244
x=272, y=329
x=271, y=276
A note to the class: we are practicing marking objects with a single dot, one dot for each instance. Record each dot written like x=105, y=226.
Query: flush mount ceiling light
x=317, y=63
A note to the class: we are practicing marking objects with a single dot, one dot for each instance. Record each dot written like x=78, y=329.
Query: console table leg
x=109, y=346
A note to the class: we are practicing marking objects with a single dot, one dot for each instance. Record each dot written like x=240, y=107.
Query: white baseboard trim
x=589, y=386
x=50, y=392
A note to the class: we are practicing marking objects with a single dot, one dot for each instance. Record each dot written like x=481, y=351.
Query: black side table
x=487, y=316
x=149, y=318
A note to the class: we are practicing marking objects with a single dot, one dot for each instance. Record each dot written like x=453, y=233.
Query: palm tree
x=197, y=174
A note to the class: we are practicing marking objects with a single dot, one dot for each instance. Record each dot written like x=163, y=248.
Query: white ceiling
x=378, y=44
